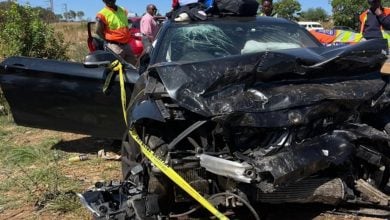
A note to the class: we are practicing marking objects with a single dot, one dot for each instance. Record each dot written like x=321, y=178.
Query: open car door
x=64, y=96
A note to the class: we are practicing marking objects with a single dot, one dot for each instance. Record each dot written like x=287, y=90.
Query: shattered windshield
x=196, y=42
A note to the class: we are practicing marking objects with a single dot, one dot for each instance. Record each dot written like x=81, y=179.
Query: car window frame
x=162, y=34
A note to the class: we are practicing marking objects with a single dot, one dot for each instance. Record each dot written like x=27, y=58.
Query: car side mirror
x=99, y=58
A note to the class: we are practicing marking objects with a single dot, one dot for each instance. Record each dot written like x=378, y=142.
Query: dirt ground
x=83, y=174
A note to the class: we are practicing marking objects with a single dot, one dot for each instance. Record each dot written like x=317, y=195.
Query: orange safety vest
x=363, y=18
x=116, y=26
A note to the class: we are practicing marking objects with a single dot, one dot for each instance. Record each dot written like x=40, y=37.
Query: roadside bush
x=25, y=34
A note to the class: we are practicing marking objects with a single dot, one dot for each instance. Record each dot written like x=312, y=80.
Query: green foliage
x=72, y=15
x=386, y=3
x=80, y=15
x=346, y=12
x=43, y=13
x=64, y=202
x=46, y=15
x=314, y=14
x=47, y=187
x=25, y=156
x=25, y=34
x=287, y=8
x=59, y=16
x=28, y=155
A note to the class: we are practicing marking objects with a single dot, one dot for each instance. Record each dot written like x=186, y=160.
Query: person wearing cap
x=113, y=28
x=375, y=21
x=149, y=26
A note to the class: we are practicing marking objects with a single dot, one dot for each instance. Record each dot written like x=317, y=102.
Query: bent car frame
x=248, y=111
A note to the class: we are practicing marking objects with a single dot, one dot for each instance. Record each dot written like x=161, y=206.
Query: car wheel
x=130, y=156
x=155, y=181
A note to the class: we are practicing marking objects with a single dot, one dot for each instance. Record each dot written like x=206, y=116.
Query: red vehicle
x=135, y=41
x=136, y=36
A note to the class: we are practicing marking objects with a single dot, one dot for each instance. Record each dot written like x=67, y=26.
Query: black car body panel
x=64, y=96
x=272, y=82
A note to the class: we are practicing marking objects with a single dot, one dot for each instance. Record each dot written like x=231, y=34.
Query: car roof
x=308, y=22
x=134, y=19
x=230, y=19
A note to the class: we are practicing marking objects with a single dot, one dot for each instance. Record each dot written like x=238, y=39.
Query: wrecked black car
x=247, y=111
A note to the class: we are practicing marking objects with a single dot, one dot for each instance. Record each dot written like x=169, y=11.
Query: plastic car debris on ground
x=108, y=155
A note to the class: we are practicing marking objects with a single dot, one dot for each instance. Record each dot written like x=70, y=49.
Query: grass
x=40, y=177
x=25, y=156
x=31, y=172
x=75, y=33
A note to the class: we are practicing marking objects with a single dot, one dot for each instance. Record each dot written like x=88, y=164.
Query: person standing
x=113, y=27
x=149, y=26
x=267, y=9
x=375, y=21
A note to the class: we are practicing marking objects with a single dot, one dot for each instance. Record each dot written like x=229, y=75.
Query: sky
x=91, y=7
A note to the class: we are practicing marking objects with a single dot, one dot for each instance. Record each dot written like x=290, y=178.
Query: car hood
x=273, y=81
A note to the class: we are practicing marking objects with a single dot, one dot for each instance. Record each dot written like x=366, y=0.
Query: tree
x=5, y=5
x=72, y=14
x=287, y=8
x=46, y=14
x=80, y=15
x=314, y=14
x=66, y=16
x=24, y=33
x=59, y=17
x=346, y=12
x=386, y=3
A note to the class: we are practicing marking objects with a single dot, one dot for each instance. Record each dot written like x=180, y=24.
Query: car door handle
x=15, y=66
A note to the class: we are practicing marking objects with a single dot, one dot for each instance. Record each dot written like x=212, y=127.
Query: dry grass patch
x=37, y=181
x=75, y=33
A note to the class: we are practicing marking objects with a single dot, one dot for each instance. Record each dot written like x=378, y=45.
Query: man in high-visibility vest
x=113, y=27
x=375, y=21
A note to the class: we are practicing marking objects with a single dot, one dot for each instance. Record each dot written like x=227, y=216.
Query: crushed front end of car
x=306, y=125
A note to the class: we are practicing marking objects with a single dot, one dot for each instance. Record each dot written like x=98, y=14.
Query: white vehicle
x=311, y=25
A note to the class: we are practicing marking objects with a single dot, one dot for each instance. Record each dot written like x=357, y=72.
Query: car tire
x=130, y=156
x=157, y=182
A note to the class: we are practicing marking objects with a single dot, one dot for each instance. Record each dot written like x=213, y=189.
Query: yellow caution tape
x=117, y=66
x=175, y=177
x=168, y=171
